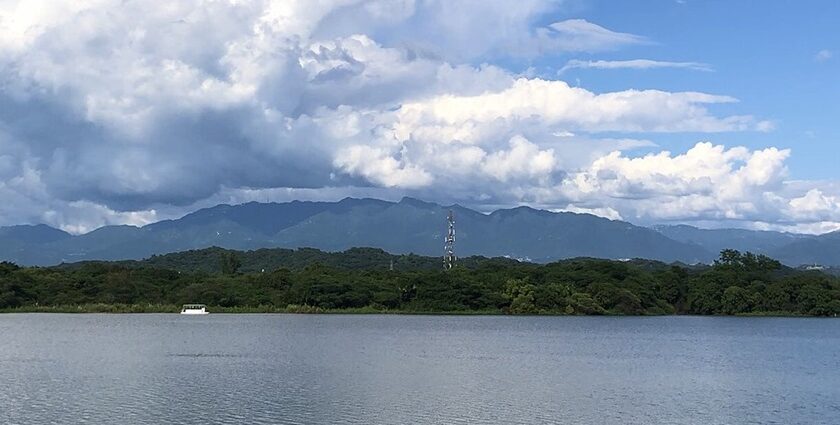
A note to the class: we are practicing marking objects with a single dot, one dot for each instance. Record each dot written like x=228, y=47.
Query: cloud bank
x=114, y=112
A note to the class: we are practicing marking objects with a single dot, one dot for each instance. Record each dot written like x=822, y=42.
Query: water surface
x=266, y=369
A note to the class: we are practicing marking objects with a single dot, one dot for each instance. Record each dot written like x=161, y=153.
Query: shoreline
x=302, y=309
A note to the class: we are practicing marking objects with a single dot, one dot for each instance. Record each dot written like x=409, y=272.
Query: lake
x=392, y=369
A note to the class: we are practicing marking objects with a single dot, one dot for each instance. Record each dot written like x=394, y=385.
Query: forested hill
x=408, y=226
x=212, y=260
x=309, y=280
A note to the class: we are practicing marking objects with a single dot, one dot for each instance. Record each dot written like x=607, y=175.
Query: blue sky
x=766, y=55
x=712, y=113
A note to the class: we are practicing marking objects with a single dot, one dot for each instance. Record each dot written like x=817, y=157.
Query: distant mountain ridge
x=407, y=226
x=790, y=248
x=714, y=240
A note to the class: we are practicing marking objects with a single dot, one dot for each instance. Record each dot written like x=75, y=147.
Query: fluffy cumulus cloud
x=706, y=182
x=115, y=111
x=556, y=104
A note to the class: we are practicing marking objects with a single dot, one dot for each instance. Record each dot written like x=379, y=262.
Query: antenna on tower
x=449, y=245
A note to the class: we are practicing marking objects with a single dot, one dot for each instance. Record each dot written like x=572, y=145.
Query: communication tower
x=449, y=245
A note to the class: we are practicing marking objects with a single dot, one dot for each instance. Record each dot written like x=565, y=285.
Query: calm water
x=152, y=369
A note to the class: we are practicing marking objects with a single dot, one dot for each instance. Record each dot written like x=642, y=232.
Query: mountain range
x=408, y=226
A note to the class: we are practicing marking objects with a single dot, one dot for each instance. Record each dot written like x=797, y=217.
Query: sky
x=710, y=113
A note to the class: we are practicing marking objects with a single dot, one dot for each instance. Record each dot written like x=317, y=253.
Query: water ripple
x=281, y=369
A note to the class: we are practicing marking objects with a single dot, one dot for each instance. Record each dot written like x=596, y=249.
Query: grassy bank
x=306, y=309
x=170, y=308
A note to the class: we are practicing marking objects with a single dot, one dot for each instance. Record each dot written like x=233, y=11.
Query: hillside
x=822, y=249
x=408, y=226
x=209, y=260
x=716, y=240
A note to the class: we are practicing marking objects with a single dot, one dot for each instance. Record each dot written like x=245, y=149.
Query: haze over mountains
x=408, y=226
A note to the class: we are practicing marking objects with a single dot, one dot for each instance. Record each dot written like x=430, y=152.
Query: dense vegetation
x=217, y=260
x=738, y=283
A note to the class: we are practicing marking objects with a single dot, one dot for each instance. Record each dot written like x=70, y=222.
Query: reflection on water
x=267, y=369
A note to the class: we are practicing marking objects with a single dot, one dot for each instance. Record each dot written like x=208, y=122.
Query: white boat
x=194, y=309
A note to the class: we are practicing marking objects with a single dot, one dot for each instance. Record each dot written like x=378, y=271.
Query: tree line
x=737, y=283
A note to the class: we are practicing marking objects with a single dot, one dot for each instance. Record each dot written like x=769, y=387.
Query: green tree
x=729, y=257
x=704, y=296
x=230, y=262
x=521, y=296
x=736, y=300
x=552, y=296
x=583, y=303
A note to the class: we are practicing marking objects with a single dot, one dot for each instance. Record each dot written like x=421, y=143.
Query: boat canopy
x=194, y=306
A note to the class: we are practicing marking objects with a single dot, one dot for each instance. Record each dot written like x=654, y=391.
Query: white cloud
x=26, y=200
x=814, y=206
x=115, y=112
x=83, y=216
x=706, y=183
x=823, y=55
x=555, y=103
x=582, y=35
x=523, y=159
x=379, y=167
x=633, y=64
x=705, y=169
x=455, y=31
x=605, y=212
x=813, y=228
